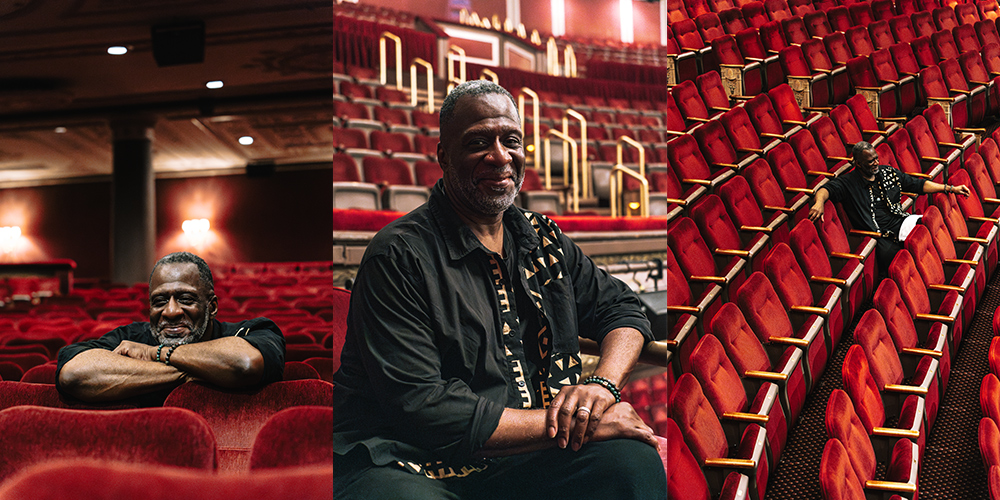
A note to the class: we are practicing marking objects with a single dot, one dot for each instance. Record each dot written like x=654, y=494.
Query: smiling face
x=867, y=161
x=482, y=155
x=180, y=309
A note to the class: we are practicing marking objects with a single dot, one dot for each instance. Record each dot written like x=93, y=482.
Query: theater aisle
x=952, y=467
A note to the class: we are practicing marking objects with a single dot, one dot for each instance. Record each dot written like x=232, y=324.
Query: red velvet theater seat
x=14, y=393
x=237, y=416
x=152, y=436
x=113, y=480
x=301, y=435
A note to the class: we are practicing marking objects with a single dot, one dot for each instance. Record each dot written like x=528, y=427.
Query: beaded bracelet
x=607, y=384
x=158, y=349
x=169, y=353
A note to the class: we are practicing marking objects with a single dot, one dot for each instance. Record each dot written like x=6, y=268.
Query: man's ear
x=442, y=158
x=213, y=307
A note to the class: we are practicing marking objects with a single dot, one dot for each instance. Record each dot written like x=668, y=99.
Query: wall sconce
x=196, y=230
x=9, y=236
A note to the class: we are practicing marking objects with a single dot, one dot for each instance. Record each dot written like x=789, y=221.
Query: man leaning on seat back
x=460, y=376
x=181, y=342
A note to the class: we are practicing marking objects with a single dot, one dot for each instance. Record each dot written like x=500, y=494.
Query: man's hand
x=575, y=413
x=961, y=189
x=816, y=211
x=136, y=350
x=621, y=421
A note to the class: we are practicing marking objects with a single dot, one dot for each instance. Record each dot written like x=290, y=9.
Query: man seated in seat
x=181, y=342
x=871, y=195
x=461, y=374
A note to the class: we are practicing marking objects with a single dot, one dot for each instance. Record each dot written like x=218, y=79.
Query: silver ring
x=583, y=408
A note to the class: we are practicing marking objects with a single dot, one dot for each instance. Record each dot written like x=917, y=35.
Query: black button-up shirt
x=424, y=377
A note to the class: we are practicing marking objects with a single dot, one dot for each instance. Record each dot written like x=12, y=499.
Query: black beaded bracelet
x=607, y=384
x=158, y=349
x=169, y=353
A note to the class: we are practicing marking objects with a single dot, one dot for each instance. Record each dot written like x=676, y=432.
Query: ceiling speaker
x=179, y=43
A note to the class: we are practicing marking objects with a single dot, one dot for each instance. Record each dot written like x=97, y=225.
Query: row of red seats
x=709, y=45
x=773, y=325
x=365, y=113
x=229, y=423
x=63, y=479
x=917, y=275
x=26, y=370
x=859, y=12
x=367, y=12
x=989, y=403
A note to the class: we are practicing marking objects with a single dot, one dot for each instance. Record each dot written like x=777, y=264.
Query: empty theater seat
x=160, y=436
x=236, y=416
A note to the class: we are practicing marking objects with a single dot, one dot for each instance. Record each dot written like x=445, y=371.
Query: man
x=870, y=194
x=181, y=342
x=460, y=374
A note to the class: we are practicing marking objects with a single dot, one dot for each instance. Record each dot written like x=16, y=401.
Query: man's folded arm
x=229, y=362
x=101, y=375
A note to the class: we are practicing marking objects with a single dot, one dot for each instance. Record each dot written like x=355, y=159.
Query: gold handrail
x=430, y=83
x=536, y=133
x=615, y=200
x=570, y=61
x=617, y=188
x=453, y=52
x=584, y=163
x=552, y=57
x=383, y=72
x=486, y=72
x=574, y=201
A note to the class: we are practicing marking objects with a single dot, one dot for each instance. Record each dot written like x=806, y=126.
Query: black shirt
x=261, y=333
x=424, y=376
x=874, y=205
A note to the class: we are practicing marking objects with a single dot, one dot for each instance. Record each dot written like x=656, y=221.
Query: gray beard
x=196, y=334
x=490, y=205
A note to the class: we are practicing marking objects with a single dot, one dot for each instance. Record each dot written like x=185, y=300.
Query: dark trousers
x=620, y=469
x=885, y=251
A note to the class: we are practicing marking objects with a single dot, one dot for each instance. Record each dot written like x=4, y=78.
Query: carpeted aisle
x=951, y=468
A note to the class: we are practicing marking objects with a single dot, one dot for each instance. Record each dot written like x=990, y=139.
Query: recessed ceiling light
x=117, y=50
x=60, y=130
x=246, y=140
x=214, y=84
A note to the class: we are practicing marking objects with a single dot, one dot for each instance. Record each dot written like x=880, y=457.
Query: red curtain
x=355, y=42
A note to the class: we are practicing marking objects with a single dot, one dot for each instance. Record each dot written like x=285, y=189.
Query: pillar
x=133, y=201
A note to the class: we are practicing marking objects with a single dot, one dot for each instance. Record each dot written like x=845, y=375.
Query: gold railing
x=584, y=164
x=569, y=58
x=383, y=72
x=616, y=197
x=430, y=83
x=536, y=133
x=617, y=188
x=487, y=73
x=574, y=199
x=455, y=52
x=552, y=57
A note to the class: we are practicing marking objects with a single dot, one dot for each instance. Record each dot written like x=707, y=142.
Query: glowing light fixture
x=9, y=236
x=559, y=17
x=214, y=84
x=196, y=230
x=117, y=50
x=60, y=130
x=246, y=140
x=625, y=9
